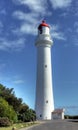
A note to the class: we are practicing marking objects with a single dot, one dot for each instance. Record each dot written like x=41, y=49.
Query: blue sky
x=19, y=20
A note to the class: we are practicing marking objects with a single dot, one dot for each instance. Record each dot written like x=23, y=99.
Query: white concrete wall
x=62, y=115
x=58, y=115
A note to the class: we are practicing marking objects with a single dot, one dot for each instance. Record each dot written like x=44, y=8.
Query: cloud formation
x=60, y=3
x=28, y=20
x=28, y=17
x=19, y=81
x=41, y=5
x=16, y=44
x=31, y=19
x=1, y=25
x=29, y=24
x=76, y=26
x=34, y=5
x=56, y=34
x=2, y=66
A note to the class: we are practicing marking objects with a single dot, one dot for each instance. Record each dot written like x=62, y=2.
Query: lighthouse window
x=40, y=115
x=45, y=66
x=46, y=101
x=40, y=29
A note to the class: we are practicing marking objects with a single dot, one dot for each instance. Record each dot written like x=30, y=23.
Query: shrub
x=71, y=117
x=4, y=121
x=7, y=111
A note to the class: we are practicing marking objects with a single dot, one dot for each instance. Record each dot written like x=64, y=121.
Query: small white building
x=58, y=114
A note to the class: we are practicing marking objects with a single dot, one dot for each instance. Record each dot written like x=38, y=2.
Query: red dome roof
x=43, y=24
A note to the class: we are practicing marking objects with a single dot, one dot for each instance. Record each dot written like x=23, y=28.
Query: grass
x=19, y=126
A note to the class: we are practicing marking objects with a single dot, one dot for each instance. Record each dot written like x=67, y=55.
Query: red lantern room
x=43, y=24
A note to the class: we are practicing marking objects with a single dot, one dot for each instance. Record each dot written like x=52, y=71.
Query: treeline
x=71, y=117
x=12, y=109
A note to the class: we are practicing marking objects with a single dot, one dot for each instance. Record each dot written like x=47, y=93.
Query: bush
x=7, y=111
x=71, y=117
x=4, y=121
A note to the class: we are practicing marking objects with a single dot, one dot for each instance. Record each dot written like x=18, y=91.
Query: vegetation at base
x=4, y=121
x=13, y=109
x=18, y=126
x=7, y=111
x=71, y=117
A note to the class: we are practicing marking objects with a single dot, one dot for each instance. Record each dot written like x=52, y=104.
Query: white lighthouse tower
x=44, y=94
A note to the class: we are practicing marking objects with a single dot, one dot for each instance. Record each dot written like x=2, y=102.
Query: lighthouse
x=44, y=104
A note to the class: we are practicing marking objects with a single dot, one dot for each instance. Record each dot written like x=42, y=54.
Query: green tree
x=22, y=110
x=26, y=114
x=9, y=96
x=29, y=115
x=7, y=111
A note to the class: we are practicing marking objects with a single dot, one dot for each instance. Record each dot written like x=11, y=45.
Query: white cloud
x=29, y=26
x=75, y=40
x=38, y=6
x=76, y=13
x=28, y=17
x=2, y=66
x=19, y=81
x=56, y=34
x=6, y=44
x=29, y=23
x=10, y=80
x=24, y=29
x=1, y=27
x=75, y=44
x=65, y=14
x=3, y=11
x=76, y=26
x=60, y=3
x=1, y=24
